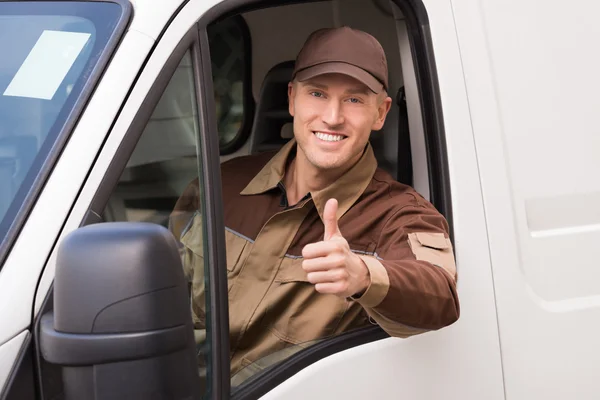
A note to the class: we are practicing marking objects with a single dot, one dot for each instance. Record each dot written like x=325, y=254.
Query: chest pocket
x=297, y=312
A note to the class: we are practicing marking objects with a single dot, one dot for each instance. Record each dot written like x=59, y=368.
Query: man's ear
x=291, y=93
x=382, y=111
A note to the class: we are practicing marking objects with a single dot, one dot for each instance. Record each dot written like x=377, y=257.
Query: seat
x=404, y=161
x=272, y=110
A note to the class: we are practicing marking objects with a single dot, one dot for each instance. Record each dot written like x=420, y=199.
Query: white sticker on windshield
x=47, y=64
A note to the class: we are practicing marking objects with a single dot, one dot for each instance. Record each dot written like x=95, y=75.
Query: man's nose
x=332, y=114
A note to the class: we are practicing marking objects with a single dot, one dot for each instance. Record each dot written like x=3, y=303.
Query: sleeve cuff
x=380, y=283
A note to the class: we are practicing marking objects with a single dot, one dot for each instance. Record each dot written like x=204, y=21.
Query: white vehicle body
x=518, y=85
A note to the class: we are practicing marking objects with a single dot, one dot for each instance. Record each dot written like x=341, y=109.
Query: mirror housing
x=121, y=325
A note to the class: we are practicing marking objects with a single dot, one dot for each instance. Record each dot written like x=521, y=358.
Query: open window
x=411, y=146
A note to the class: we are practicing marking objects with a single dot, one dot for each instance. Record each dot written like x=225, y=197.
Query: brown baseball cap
x=343, y=51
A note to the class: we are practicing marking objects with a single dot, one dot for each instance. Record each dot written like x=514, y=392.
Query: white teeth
x=329, y=138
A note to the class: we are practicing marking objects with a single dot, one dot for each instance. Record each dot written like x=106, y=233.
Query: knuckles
x=340, y=245
x=341, y=275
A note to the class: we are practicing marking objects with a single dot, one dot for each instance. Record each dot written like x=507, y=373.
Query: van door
x=533, y=86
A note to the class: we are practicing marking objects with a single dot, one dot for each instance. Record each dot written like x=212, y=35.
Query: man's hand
x=330, y=264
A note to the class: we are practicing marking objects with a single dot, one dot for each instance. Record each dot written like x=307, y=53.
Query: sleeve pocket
x=434, y=248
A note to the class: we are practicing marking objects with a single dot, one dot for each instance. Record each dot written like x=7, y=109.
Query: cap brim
x=341, y=68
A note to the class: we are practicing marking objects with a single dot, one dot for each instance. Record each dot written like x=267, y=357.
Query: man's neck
x=302, y=177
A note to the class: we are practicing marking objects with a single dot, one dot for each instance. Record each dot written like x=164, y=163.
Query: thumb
x=330, y=219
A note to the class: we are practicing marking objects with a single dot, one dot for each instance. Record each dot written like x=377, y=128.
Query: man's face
x=334, y=115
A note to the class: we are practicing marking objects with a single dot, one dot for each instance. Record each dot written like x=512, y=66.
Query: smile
x=328, y=137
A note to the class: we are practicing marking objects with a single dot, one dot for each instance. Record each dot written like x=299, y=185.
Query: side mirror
x=121, y=325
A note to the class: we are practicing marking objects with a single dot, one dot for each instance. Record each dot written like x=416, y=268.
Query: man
x=320, y=241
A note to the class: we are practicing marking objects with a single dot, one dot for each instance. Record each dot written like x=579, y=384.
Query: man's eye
x=316, y=94
x=354, y=100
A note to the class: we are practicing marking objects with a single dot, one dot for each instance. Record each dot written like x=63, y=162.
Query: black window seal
x=419, y=35
x=248, y=99
x=218, y=298
x=260, y=384
x=71, y=121
x=433, y=124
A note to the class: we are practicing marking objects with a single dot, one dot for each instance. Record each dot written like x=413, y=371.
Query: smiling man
x=319, y=240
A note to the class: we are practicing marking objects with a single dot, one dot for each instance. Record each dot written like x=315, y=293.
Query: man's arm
x=413, y=274
x=185, y=223
x=181, y=219
x=408, y=286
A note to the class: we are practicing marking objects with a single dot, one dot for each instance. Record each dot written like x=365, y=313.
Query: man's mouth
x=329, y=137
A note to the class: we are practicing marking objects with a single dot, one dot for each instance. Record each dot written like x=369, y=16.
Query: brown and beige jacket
x=400, y=236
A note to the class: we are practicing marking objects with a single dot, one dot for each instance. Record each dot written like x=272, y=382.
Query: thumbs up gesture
x=330, y=264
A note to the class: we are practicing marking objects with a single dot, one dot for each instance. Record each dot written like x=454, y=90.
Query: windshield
x=48, y=51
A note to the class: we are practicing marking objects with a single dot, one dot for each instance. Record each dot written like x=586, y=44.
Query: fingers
x=324, y=263
x=322, y=249
x=327, y=262
x=330, y=219
x=340, y=288
x=331, y=276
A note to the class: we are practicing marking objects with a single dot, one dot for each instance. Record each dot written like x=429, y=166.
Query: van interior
x=252, y=57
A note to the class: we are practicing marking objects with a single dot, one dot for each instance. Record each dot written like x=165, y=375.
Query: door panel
x=532, y=83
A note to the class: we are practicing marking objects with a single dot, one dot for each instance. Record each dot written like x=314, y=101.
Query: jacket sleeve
x=413, y=273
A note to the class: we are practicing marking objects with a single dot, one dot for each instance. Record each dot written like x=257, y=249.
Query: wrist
x=365, y=280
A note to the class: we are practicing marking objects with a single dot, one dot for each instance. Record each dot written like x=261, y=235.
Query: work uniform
x=402, y=239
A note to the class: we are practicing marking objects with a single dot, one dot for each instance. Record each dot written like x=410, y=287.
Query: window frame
x=249, y=104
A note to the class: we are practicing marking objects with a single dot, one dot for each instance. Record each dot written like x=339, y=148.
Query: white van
x=108, y=109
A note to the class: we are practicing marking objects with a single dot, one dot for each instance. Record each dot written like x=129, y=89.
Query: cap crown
x=344, y=45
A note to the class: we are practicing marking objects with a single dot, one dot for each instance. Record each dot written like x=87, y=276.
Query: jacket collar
x=346, y=190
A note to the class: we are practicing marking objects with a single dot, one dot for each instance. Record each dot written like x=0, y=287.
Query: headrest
x=272, y=109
